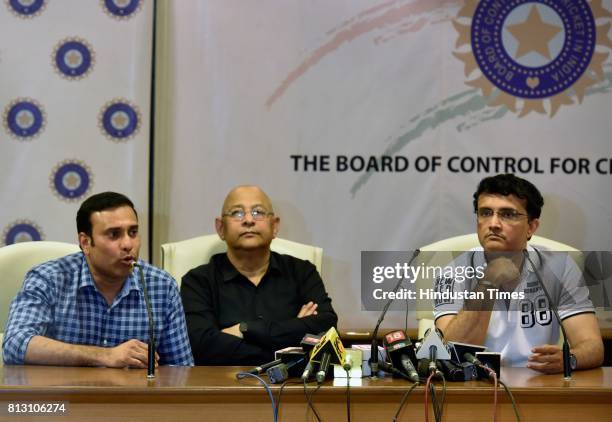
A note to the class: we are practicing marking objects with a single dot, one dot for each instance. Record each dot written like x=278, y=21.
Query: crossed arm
x=308, y=309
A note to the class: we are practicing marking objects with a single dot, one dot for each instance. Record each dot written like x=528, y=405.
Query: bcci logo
x=73, y=58
x=24, y=119
x=26, y=9
x=70, y=180
x=121, y=9
x=119, y=120
x=22, y=231
x=532, y=55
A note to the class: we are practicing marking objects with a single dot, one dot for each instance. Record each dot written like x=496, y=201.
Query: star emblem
x=533, y=35
x=119, y=120
x=25, y=119
x=23, y=237
x=72, y=181
x=73, y=58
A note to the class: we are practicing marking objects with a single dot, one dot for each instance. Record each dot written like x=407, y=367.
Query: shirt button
x=105, y=342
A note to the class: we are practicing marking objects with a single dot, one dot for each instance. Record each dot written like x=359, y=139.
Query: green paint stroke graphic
x=469, y=105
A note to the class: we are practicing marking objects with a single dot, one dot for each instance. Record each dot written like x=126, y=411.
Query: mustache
x=496, y=235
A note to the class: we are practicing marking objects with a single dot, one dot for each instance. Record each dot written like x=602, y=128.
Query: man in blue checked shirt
x=88, y=308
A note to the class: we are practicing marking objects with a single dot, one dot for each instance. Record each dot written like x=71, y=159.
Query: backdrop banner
x=74, y=96
x=370, y=122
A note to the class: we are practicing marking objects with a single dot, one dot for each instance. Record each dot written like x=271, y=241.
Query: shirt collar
x=230, y=272
x=86, y=280
x=478, y=257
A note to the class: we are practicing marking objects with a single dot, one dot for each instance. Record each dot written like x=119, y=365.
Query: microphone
x=387, y=367
x=328, y=350
x=458, y=371
x=433, y=349
x=401, y=353
x=472, y=359
x=307, y=371
x=323, y=367
x=480, y=367
x=308, y=343
x=279, y=373
x=262, y=368
x=374, y=349
x=151, y=345
x=567, y=369
x=348, y=363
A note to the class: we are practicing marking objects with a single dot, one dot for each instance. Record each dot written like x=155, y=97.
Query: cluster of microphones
x=399, y=356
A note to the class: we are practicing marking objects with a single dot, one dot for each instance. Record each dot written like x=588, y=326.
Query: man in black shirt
x=246, y=303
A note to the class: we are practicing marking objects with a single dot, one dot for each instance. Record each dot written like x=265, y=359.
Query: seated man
x=521, y=326
x=88, y=308
x=246, y=303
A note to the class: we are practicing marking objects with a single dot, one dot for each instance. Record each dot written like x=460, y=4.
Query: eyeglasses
x=507, y=215
x=238, y=214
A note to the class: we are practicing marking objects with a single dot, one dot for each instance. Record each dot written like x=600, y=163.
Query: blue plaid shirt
x=59, y=300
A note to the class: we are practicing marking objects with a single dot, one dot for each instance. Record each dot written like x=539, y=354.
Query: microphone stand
x=151, y=345
x=374, y=348
x=567, y=369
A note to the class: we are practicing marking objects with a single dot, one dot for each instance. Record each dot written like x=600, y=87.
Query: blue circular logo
x=533, y=49
x=71, y=180
x=121, y=8
x=73, y=58
x=120, y=120
x=24, y=118
x=22, y=231
x=27, y=8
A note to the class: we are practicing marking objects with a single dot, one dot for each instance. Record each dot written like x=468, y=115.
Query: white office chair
x=180, y=257
x=465, y=243
x=17, y=259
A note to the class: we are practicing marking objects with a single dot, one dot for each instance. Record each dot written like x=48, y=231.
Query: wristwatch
x=487, y=284
x=573, y=362
x=243, y=327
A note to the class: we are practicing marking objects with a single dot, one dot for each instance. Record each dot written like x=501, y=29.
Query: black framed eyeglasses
x=507, y=215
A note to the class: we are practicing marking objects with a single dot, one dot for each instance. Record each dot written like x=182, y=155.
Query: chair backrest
x=469, y=241
x=180, y=257
x=465, y=243
x=17, y=259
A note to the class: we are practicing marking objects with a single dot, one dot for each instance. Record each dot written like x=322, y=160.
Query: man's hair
x=509, y=184
x=100, y=202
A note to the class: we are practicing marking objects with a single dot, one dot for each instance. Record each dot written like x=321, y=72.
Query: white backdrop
x=75, y=81
x=254, y=83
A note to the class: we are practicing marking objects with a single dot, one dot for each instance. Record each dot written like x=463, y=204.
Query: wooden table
x=213, y=394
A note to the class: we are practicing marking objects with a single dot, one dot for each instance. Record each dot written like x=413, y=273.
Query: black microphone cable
x=348, y=394
x=309, y=400
x=403, y=401
x=514, y=405
x=280, y=393
x=268, y=390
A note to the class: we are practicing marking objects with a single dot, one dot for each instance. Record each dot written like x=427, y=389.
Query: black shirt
x=217, y=296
